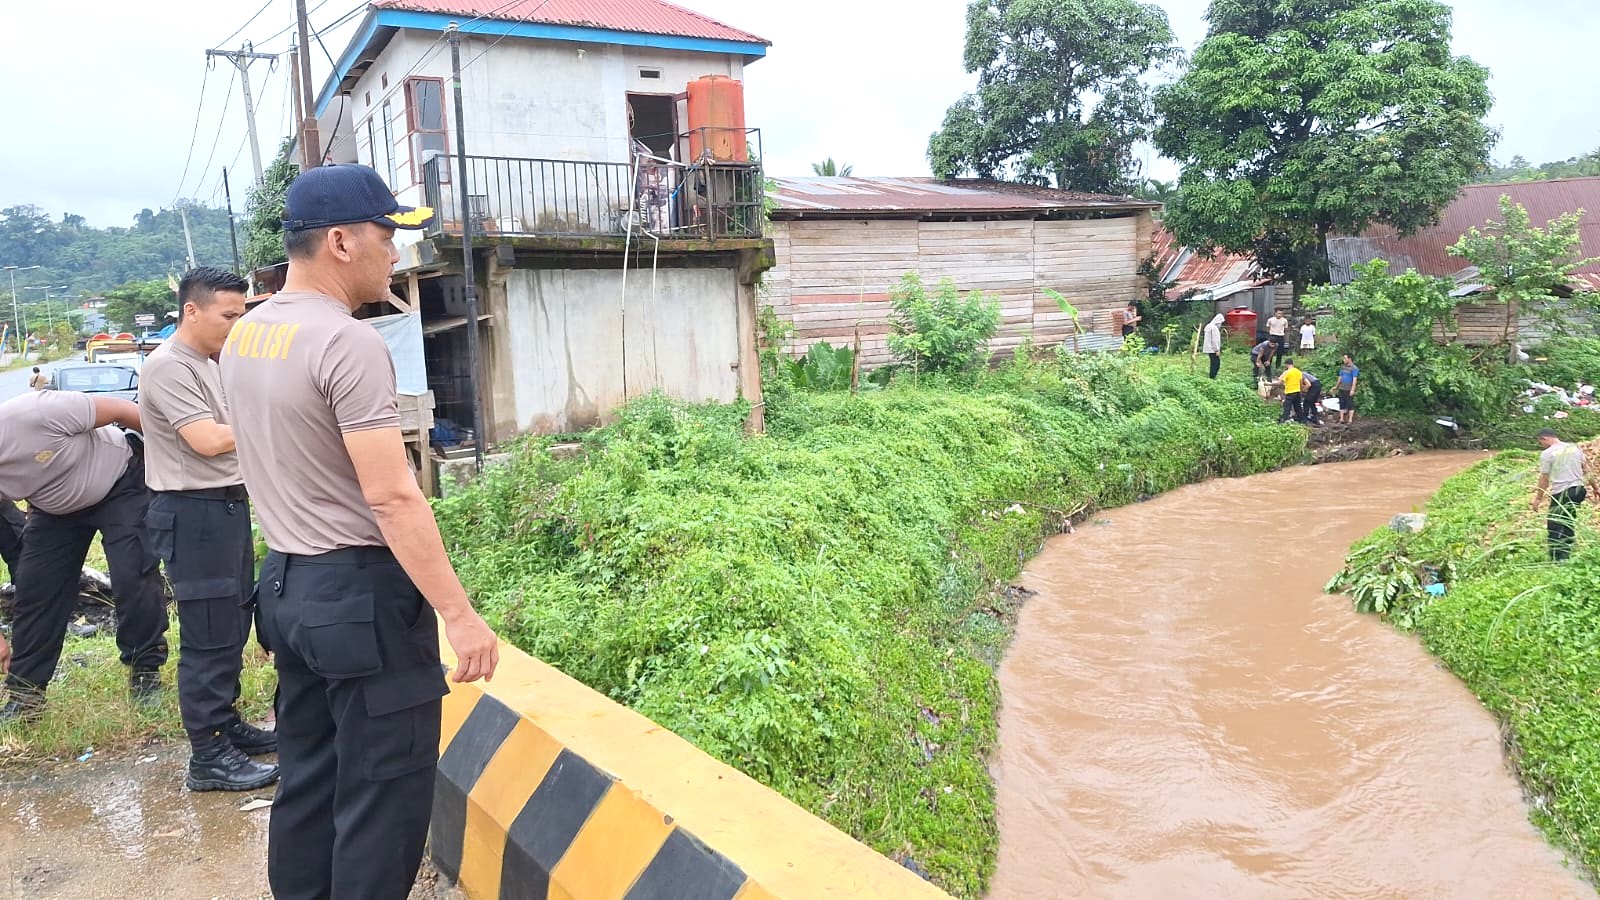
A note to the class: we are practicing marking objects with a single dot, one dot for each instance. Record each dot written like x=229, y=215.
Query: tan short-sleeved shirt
x=1564, y=464
x=52, y=456
x=178, y=386
x=300, y=372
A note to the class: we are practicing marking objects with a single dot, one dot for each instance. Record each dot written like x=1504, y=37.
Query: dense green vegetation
x=92, y=260
x=1519, y=169
x=1060, y=98
x=1519, y=631
x=1299, y=118
x=814, y=605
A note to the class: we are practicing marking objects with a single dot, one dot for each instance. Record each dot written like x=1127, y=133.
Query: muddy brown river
x=1186, y=714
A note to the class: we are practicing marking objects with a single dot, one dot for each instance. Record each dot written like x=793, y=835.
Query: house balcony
x=555, y=199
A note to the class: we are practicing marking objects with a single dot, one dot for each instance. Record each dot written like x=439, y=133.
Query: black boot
x=144, y=686
x=250, y=740
x=23, y=706
x=217, y=765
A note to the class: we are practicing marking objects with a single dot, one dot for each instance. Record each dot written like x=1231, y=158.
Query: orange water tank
x=716, y=119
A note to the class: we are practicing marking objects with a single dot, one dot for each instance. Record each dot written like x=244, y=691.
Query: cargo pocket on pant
x=340, y=637
x=403, y=713
x=159, y=529
x=209, y=615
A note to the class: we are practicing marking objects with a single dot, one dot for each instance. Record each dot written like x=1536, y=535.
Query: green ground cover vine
x=815, y=606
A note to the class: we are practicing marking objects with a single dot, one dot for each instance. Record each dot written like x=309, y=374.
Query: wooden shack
x=841, y=244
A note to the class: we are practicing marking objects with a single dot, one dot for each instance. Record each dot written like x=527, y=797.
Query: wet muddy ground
x=1186, y=714
x=124, y=828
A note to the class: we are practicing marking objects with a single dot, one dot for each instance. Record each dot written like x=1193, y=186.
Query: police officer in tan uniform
x=69, y=456
x=356, y=559
x=199, y=524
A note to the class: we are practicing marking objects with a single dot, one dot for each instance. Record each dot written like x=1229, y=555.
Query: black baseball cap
x=344, y=194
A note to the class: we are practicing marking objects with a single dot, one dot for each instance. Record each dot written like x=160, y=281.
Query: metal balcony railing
x=568, y=198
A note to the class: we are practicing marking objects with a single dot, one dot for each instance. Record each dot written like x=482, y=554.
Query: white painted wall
x=529, y=99
x=524, y=98
x=568, y=328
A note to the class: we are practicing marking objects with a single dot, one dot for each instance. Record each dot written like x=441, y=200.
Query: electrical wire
x=226, y=103
x=224, y=42
x=296, y=23
x=193, y=135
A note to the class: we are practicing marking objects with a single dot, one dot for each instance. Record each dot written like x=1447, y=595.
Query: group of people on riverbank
x=1302, y=390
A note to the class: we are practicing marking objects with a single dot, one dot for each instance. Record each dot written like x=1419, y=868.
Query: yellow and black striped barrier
x=547, y=789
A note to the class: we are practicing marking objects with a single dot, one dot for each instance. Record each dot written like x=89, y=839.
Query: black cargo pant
x=359, y=688
x=12, y=521
x=204, y=539
x=53, y=550
x=1562, y=523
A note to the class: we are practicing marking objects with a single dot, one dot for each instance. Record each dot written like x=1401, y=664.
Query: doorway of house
x=654, y=122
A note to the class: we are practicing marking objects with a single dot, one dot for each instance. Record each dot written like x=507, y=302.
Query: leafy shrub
x=823, y=368
x=1388, y=324
x=1568, y=362
x=945, y=332
x=809, y=605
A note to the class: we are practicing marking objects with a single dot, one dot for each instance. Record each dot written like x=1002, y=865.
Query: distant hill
x=94, y=260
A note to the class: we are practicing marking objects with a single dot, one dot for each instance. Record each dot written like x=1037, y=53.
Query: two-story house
x=613, y=192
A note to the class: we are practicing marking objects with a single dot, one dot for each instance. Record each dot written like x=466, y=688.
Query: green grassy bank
x=1520, y=632
x=815, y=606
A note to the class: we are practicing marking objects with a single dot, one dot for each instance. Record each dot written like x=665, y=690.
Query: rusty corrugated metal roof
x=824, y=196
x=1195, y=274
x=1427, y=251
x=641, y=16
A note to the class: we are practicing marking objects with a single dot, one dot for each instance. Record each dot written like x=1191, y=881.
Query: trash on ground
x=254, y=804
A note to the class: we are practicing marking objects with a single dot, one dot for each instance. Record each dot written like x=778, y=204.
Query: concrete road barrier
x=549, y=789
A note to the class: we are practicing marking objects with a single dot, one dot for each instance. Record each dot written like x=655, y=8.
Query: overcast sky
x=104, y=94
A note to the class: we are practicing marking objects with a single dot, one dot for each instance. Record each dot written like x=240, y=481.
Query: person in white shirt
x=1308, y=335
x=1561, y=479
x=1212, y=344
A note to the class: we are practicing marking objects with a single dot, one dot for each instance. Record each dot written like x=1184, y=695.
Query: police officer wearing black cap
x=356, y=556
x=199, y=523
x=69, y=456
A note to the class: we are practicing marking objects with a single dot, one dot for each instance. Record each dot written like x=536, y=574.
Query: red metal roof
x=641, y=16
x=1193, y=273
x=799, y=197
x=1427, y=251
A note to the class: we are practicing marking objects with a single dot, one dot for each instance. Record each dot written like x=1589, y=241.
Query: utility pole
x=464, y=193
x=294, y=92
x=233, y=229
x=188, y=240
x=310, y=140
x=242, y=58
x=16, y=310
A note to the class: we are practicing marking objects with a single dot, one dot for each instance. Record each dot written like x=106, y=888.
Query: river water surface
x=1186, y=714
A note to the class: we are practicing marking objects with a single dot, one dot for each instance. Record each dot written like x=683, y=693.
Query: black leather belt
x=234, y=493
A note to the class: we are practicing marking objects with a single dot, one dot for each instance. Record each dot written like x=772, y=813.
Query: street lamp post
x=49, y=312
x=16, y=311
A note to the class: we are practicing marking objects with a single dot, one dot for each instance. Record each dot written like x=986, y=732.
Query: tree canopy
x=1059, y=98
x=829, y=168
x=91, y=260
x=1300, y=118
x=1519, y=169
x=262, y=240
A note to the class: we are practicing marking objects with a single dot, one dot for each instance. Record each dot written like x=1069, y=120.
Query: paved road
x=15, y=382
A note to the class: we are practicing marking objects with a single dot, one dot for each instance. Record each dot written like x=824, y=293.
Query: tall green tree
x=1301, y=118
x=153, y=297
x=1059, y=98
x=1531, y=268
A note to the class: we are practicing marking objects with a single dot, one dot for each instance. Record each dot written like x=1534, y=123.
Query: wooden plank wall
x=830, y=275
